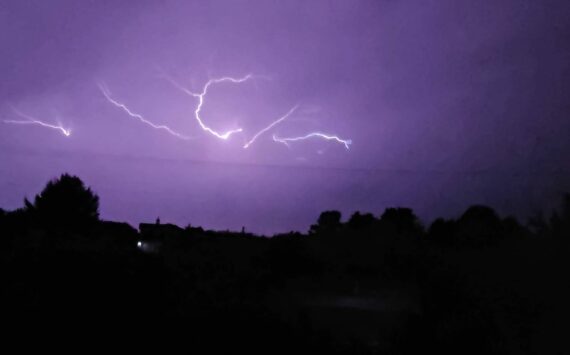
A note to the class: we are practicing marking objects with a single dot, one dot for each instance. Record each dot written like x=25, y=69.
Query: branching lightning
x=28, y=120
x=273, y=124
x=201, y=95
x=345, y=142
x=105, y=91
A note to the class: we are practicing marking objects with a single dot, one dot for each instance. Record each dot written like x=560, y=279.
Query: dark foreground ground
x=339, y=293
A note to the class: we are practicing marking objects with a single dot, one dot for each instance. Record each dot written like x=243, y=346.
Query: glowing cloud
x=105, y=91
x=28, y=120
x=345, y=142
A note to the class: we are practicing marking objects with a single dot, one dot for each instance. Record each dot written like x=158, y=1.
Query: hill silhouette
x=382, y=283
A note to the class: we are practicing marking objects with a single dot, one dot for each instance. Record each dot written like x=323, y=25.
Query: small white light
x=139, y=244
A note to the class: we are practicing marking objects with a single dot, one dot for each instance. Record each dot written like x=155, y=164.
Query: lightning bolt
x=273, y=124
x=105, y=91
x=345, y=142
x=34, y=121
x=201, y=95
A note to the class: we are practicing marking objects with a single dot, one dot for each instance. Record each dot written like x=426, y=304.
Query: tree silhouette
x=328, y=221
x=442, y=231
x=479, y=225
x=559, y=223
x=361, y=220
x=65, y=202
x=400, y=221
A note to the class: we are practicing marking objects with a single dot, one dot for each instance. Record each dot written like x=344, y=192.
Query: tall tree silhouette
x=65, y=202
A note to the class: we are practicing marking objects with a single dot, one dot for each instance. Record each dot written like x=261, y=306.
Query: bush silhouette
x=65, y=202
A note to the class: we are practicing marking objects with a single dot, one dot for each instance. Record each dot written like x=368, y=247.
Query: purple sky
x=447, y=103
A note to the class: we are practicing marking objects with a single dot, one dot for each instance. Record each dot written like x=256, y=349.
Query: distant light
x=139, y=244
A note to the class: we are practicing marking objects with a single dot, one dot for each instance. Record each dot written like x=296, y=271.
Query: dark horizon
x=343, y=218
x=527, y=210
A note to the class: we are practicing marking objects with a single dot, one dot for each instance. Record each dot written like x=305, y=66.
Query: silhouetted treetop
x=479, y=225
x=401, y=221
x=560, y=220
x=328, y=221
x=442, y=231
x=361, y=221
x=65, y=202
x=479, y=213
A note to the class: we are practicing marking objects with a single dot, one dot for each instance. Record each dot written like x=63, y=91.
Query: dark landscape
x=370, y=283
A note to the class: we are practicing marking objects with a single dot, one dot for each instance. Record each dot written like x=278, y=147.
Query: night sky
x=447, y=103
